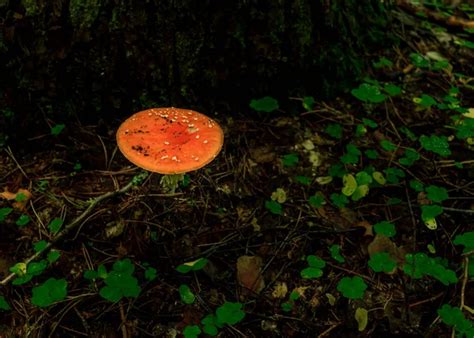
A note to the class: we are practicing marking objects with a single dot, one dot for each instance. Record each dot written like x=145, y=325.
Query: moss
x=83, y=13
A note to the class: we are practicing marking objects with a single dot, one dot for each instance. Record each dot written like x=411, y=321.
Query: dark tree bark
x=106, y=56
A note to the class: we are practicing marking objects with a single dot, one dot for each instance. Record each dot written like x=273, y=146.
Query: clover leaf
x=436, y=194
x=315, y=268
x=352, y=287
x=419, y=264
x=466, y=239
x=453, y=316
x=51, y=291
x=266, y=104
x=191, y=331
x=230, y=313
x=382, y=262
x=274, y=207
x=187, y=296
x=410, y=156
x=334, y=130
x=368, y=93
x=436, y=144
x=385, y=228
x=335, y=251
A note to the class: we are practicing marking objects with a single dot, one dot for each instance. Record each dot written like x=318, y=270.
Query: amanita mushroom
x=170, y=141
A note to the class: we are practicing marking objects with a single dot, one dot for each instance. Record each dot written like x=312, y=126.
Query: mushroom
x=170, y=141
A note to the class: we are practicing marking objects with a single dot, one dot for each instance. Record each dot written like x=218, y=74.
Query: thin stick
x=78, y=220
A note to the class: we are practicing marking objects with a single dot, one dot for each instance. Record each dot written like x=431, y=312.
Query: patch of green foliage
x=419, y=265
x=314, y=269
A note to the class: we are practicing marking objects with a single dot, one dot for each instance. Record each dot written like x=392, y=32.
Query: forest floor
x=349, y=218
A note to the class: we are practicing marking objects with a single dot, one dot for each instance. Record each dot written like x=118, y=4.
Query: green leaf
x=419, y=60
x=349, y=184
x=4, y=306
x=369, y=123
x=57, y=129
x=371, y=154
x=352, y=287
x=416, y=185
x=392, y=89
x=394, y=201
x=466, y=239
x=393, y=175
x=388, y=146
x=335, y=251
x=362, y=317
x=383, y=62
x=315, y=262
x=23, y=220
x=53, y=290
x=419, y=264
x=53, y=256
x=290, y=160
x=436, y=144
x=339, y=200
x=360, y=192
x=317, y=200
x=90, y=274
x=230, y=313
x=55, y=225
x=368, y=93
x=210, y=325
x=192, y=266
x=379, y=178
x=429, y=212
x=410, y=156
x=150, y=274
x=274, y=207
x=187, y=296
x=334, y=130
x=385, y=228
x=4, y=212
x=308, y=103
x=436, y=194
x=304, y=180
x=425, y=101
x=191, y=331
x=408, y=133
x=363, y=178
x=382, y=262
x=266, y=104
x=40, y=246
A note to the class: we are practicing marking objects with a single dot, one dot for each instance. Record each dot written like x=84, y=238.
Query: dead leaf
x=249, y=270
x=382, y=243
x=367, y=226
x=21, y=197
x=280, y=290
x=263, y=154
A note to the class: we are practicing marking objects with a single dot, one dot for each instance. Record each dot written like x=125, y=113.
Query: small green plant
x=382, y=262
x=274, y=207
x=409, y=157
x=383, y=62
x=119, y=282
x=23, y=220
x=288, y=306
x=57, y=129
x=392, y=90
x=436, y=144
x=196, y=265
x=187, y=296
x=352, y=287
x=416, y=185
x=266, y=104
x=4, y=306
x=150, y=273
x=290, y=160
x=308, y=103
x=227, y=314
x=388, y=146
x=419, y=60
x=317, y=200
x=454, y=317
x=351, y=156
x=335, y=251
x=314, y=269
x=55, y=225
x=425, y=101
x=53, y=290
x=419, y=265
x=339, y=200
x=4, y=212
x=385, y=228
x=393, y=175
x=334, y=130
x=436, y=194
x=368, y=93
x=191, y=331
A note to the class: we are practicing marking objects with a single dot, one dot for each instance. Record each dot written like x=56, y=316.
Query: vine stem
x=78, y=220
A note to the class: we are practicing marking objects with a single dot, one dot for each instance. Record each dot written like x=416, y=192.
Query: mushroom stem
x=169, y=183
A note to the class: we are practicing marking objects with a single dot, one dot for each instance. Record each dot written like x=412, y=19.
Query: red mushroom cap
x=170, y=140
